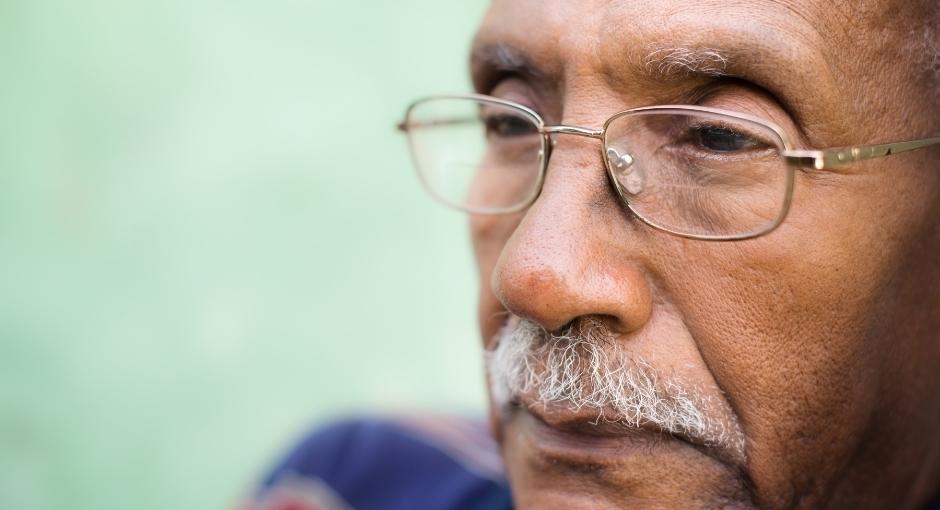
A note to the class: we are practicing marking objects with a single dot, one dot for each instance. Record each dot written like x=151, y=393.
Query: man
x=702, y=304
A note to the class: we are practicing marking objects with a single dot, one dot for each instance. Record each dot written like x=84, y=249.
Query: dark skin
x=822, y=337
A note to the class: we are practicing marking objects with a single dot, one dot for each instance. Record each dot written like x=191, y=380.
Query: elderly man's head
x=636, y=362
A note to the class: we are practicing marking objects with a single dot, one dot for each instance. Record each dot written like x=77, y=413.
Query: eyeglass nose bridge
x=625, y=176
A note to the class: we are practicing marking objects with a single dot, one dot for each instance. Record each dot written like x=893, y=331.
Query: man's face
x=816, y=346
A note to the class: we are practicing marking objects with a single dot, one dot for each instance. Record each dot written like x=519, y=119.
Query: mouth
x=585, y=436
x=556, y=454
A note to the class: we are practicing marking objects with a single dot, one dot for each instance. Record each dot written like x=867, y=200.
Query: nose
x=571, y=254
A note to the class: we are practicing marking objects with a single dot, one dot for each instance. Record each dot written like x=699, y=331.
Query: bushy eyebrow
x=683, y=61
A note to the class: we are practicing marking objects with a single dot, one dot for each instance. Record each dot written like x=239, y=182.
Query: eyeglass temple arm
x=829, y=158
x=406, y=125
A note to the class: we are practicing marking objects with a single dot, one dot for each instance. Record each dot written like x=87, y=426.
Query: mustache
x=584, y=367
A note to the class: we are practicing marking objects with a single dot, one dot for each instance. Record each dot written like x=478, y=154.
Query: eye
x=719, y=139
x=507, y=126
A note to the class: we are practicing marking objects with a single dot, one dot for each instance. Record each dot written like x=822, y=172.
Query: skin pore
x=822, y=338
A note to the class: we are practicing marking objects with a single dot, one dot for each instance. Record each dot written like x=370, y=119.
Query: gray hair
x=681, y=60
x=584, y=367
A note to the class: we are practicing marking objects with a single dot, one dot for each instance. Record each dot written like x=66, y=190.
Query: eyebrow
x=683, y=61
x=490, y=62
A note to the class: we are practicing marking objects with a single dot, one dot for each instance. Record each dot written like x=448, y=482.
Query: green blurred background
x=211, y=239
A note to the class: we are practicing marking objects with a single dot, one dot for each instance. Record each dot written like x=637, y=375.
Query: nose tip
x=552, y=273
x=553, y=300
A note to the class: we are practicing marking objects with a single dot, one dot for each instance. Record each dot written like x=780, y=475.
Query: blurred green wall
x=211, y=239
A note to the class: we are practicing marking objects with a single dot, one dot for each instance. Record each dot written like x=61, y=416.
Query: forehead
x=771, y=24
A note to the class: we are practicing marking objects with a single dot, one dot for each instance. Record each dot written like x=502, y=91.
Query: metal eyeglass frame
x=818, y=159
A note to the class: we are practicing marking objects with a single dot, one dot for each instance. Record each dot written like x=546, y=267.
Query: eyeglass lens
x=690, y=172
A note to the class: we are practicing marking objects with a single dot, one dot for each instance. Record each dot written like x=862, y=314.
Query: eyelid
x=742, y=96
x=519, y=91
x=494, y=80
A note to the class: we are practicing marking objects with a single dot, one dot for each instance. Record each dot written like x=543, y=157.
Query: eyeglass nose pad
x=629, y=177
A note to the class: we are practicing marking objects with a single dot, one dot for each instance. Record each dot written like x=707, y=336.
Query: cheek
x=786, y=343
x=792, y=324
x=802, y=301
x=489, y=234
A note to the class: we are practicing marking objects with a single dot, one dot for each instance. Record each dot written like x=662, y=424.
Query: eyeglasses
x=691, y=171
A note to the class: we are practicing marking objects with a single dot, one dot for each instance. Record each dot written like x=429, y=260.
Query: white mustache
x=584, y=367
